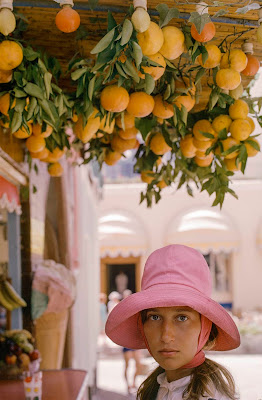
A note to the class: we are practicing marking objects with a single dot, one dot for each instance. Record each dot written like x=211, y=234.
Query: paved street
x=246, y=370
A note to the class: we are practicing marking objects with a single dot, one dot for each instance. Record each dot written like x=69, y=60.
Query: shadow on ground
x=107, y=395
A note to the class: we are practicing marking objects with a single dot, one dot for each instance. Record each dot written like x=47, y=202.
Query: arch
x=204, y=229
x=121, y=233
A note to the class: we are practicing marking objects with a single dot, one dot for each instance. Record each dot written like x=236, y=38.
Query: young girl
x=174, y=317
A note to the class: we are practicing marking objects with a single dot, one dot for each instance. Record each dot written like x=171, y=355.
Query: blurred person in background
x=114, y=298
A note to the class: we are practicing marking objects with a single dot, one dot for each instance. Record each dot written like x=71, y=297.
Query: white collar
x=177, y=386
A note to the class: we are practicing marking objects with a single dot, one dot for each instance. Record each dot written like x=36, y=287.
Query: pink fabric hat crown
x=174, y=275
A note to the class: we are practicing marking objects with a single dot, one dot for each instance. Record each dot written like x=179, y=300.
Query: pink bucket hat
x=174, y=275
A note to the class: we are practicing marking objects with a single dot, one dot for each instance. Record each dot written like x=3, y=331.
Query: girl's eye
x=182, y=318
x=153, y=317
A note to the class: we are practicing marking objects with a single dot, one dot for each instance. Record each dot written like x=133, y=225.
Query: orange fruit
x=55, y=169
x=155, y=72
x=151, y=40
x=201, y=144
x=41, y=154
x=240, y=129
x=161, y=184
x=22, y=133
x=214, y=56
x=74, y=117
x=114, y=98
x=112, y=157
x=186, y=99
x=140, y=104
x=162, y=109
x=252, y=123
x=235, y=59
x=105, y=126
x=205, y=161
x=173, y=45
x=187, y=146
x=208, y=32
x=228, y=78
x=227, y=144
x=5, y=76
x=5, y=104
x=67, y=20
x=239, y=109
x=35, y=143
x=251, y=151
x=203, y=125
x=11, y=55
x=158, y=144
x=121, y=145
x=145, y=177
x=221, y=122
x=231, y=164
x=129, y=121
x=37, y=130
x=86, y=133
x=128, y=133
x=252, y=66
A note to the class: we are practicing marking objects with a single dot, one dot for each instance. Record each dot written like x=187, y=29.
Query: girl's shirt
x=174, y=390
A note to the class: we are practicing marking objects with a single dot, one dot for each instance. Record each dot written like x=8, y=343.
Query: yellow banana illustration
x=13, y=296
x=3, y=300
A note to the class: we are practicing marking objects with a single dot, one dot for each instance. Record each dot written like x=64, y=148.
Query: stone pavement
x=108, y=395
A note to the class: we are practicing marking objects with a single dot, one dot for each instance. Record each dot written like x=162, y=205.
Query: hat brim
x=122, y=323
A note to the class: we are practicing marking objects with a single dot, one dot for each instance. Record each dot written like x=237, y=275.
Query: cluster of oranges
x=237, y=128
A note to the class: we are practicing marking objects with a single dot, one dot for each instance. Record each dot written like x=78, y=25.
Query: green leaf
x=126, y=32
x=199, y=20
x=16, y=121
x=131, y=70
x=137, y=53
x=111, y=22
x=167, y=92
x=78, y=73
x=20, y=105
x=42, y=65
x=120, y=70
x=47, y=79
x=199, y=75
x=207, y=134
x=231, y=150
x=30, y=54
x=213, y=99
x=222, y=134
x=254, y=144
x=19, y=93
x=31, y=109
x=149, y=84
x=104, y=42
x=91, y=87
x=184, y=113
x=166, y=14
x=145, y=126
x=220, y=12
x=33, y=90
x=45, y=105
x=244, y=10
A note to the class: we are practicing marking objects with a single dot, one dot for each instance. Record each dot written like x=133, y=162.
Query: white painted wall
x=245, y=213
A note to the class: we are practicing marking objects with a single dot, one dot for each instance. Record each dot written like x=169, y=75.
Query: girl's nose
x=167, y=332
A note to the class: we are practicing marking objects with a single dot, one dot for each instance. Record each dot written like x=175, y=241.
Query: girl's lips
x=168, y=352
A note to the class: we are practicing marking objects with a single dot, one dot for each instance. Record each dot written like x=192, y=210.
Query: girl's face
x=172, y=335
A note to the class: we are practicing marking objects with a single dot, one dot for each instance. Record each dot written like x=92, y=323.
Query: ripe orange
x=239, y=109
x=67, y=20
x=37, y=130
x=105, y=126
x=186, y=99
x=221, y=122
x=173, y=45
x=5, y=76
x=162, y=109
x=145, y=177
x=86, y=133
x=155, y=72
x=187, y=146
x=55, y=169
x=252, y=66
x=158, y=144
x=112, y=157
x=240, y=129
x=205, y=161
x=11, y=55
x=140, y=104
x=235, y=59
x=251, y=151
x=5, y=104
x=252, y=123
x=231, y=164
x=208, y=32
x=228, y=78
x=227, y=144
x=35, y=143
x=128, y=133
x=41, y=154
x=121, y=145
x=22, y=133
x=201, y=144
x=151, y=40
x=203, y=125
x=214, y=56
x=161, y=184
x=129, y=121
x=114, y=98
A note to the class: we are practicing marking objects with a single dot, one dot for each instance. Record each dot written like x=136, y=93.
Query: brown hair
x=206, y=376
